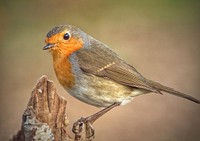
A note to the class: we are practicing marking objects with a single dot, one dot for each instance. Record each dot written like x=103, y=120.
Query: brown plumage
x=93, y=73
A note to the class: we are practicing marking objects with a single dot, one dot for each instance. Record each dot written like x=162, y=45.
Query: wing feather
x=99, y=60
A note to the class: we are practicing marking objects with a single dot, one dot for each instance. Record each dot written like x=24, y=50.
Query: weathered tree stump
x=45, y=117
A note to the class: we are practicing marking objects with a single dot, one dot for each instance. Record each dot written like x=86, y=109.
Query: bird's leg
x=87, y=122
x=97, y=115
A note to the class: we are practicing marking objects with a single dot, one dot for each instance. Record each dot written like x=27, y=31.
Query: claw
x=79, y=127
x=89, y=131
x=84, y=125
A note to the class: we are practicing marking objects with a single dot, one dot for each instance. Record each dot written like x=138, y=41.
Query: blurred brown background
x=161, y=38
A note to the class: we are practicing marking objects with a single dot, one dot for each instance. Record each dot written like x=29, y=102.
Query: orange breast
x=63, y=70
x=61, y=53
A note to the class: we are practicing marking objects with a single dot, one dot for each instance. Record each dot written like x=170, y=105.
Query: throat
x=63, y=70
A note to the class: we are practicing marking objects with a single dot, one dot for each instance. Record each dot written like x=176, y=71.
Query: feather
x=99, y=60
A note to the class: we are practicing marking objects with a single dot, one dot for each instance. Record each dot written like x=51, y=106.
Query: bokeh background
x=161, y=38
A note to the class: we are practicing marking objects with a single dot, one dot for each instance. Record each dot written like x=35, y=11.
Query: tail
x=159, y=87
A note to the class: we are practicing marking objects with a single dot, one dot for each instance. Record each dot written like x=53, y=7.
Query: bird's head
x=64, y=40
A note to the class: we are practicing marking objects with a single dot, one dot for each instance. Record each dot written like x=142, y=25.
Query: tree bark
x=45, y=116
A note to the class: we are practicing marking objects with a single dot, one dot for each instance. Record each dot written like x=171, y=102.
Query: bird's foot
x=83, y=129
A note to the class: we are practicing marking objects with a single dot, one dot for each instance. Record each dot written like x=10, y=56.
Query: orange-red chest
x=61, y=53
x=63, y=70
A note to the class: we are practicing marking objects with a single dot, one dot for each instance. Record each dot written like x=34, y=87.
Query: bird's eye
x=66, y=36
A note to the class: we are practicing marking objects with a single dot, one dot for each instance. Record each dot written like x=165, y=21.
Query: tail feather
x=161, y=87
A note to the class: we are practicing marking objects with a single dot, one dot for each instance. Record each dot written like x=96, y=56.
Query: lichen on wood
x=45, y=116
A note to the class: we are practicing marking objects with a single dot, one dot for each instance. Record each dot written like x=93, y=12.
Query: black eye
x=66, y=36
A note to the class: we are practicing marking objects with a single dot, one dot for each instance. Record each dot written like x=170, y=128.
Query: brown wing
x=99, y=60
x=122, y=73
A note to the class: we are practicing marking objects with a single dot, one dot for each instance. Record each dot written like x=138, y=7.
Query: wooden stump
x=45, y=117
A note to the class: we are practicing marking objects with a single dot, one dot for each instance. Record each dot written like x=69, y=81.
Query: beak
x=48, y=46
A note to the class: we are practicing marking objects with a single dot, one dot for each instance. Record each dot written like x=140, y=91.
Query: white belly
x=102, y=92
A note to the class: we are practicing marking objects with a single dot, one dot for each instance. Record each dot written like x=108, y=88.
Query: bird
x=92, y=73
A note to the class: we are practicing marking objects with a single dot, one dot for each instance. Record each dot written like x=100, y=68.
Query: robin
x=91, y=72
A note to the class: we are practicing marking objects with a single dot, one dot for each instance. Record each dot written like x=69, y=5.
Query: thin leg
x=97, y=115
x=88, y=121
